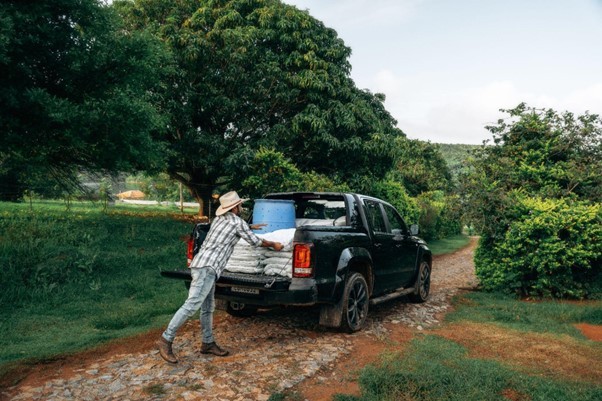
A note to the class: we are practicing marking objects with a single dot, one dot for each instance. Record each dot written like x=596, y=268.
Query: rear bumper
x=259, y=290
x=271, y=293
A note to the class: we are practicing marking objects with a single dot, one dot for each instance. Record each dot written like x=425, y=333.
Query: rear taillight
x=190, y=250
x=302, y=261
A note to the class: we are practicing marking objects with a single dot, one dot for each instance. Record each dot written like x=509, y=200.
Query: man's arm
x=277, y=246
x=249, y=236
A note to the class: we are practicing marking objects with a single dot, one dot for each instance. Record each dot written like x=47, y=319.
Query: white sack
x=276, y=254
x=276, y=261
x=279, y=270
x=244, y=269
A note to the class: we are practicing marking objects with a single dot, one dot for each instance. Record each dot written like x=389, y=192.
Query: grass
x=73, y=279
x=434, y=368
x=448, y=245
x=494, y=347
x=75, y=275
x=539, y=317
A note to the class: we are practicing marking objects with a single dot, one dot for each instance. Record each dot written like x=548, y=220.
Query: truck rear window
x=319, y=209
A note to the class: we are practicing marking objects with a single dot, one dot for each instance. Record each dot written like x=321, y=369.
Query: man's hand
x=256, y=226
x=277, y=246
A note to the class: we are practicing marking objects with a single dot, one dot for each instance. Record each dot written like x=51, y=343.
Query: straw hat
x=228, y=201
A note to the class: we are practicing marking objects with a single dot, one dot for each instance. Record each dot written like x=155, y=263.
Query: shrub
x=550, y=248
x=439, y=215
x=394, y=193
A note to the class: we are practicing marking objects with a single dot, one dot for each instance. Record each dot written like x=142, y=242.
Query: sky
x=447, y=67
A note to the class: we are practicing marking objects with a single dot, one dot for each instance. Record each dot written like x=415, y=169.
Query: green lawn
x=75, y=279
x=448, y=245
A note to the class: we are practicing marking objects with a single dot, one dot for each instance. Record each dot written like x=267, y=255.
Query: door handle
x=378, y=245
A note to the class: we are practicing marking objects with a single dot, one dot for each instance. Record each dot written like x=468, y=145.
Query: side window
x=375, y=217
x=398, y=226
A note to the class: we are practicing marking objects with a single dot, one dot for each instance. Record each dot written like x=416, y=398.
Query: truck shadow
x=307, y=317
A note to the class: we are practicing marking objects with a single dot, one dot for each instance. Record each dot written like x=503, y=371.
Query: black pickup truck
x=348, y=251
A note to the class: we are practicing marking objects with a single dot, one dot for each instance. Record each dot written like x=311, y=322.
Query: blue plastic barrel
x=278, y=214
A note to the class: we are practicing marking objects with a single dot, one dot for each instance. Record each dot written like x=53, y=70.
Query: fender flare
x=348, y=257
x=423, y=253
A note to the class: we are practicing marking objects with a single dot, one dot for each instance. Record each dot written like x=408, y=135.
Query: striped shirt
x=226, y=230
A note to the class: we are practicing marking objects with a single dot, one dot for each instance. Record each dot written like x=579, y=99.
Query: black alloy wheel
x=422, y=287
x=355, y=303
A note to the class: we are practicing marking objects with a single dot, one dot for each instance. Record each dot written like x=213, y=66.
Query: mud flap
x=331, y=315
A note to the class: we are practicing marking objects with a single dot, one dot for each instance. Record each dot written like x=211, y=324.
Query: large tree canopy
x=76, y=91
x=255, y=73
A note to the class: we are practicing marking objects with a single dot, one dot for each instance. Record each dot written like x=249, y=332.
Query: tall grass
x=75, y=278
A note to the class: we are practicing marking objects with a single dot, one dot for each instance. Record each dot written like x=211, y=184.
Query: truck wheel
x=355, y=303
x=241, y=310
x=422, y=286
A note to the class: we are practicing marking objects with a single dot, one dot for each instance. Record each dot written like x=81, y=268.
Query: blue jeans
x=201, y=296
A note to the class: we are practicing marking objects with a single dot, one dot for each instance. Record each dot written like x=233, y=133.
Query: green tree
x=536, y=191
x=255, y=73
x=420, y=167
x=539, y=152
x=271, y=171
x=77, y=91
x=456, y=157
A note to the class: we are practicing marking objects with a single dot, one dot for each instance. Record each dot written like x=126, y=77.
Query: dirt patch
x=591, y=331
x=559, y=357
x=343, y=377
x=514, y=395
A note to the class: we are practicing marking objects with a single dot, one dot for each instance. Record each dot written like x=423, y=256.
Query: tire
x=355, y=303
x=241, y=310
x=422, y=286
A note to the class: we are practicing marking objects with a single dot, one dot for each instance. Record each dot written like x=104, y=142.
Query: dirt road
x=281, y=350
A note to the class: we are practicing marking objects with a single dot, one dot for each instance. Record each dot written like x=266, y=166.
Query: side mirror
x=414, y=229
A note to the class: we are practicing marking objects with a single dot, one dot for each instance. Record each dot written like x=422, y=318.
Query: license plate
x=244, y=290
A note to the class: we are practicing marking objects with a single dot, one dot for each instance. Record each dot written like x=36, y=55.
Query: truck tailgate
x=255, y=280
x=244, y=279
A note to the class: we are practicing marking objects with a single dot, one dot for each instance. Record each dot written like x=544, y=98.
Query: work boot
x=165, y=350
x=213, y=348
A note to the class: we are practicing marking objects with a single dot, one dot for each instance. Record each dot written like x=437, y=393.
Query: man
x=206, y=267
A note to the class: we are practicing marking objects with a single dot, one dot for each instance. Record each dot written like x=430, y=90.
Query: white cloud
x=586, y=99
x=460, y=116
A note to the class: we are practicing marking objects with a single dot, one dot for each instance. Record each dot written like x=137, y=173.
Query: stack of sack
x=279, y=263
x=245, y=259
x=249, y=259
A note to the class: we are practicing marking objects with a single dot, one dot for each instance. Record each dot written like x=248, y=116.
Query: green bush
x=394, y=193
x=439, y=215
x=551, y=247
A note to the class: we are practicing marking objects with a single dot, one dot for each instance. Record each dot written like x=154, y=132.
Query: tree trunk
x=203, y=197
x=201, y=188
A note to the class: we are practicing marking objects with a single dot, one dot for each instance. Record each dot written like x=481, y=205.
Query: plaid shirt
x=226, y=230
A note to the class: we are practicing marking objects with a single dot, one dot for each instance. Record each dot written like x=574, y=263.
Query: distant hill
x=455, y=156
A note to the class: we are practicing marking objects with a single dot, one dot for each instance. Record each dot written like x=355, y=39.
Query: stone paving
x=270, y=352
